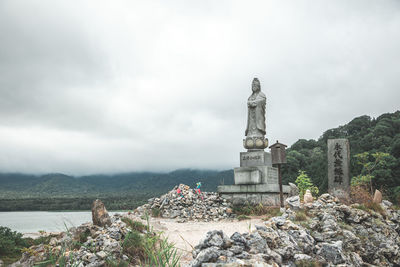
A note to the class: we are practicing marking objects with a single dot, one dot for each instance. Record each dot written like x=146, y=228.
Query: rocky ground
x=323, y=233
x=86, y=245
x=188, y=205
x=329, y=234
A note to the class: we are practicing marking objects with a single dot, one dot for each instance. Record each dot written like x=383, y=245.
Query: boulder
x=377, y=197
x=332, y=252
x=100, y=215
x=293, y=202
x=294, y=190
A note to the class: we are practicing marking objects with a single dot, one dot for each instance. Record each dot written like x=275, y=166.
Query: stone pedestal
x=266, y=194
x=256, y=181
x=255, y=158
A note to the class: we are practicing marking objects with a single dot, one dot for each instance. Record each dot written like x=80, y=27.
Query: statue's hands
x=252, y=104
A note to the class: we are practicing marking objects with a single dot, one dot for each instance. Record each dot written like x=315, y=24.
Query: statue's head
x=255, y=86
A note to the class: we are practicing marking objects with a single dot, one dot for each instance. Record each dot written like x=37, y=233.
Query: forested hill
x=365, y=134
x=140, y=183
x=121, y=191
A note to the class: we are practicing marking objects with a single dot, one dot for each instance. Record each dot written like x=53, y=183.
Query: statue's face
x=256, y=85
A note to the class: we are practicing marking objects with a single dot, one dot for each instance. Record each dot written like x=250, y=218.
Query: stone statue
x=255, y=130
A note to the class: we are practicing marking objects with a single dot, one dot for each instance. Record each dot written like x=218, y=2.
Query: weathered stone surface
x=332, y=252
x=294, y=190
x=377, y=197
x=255, y=158
x=247, y=175
x=255, y=130
x=189, y=206
x=100, y=215
x=293, y=202
x=339, y=167
x=266, y=199
x=93, y=252
x=335, y=235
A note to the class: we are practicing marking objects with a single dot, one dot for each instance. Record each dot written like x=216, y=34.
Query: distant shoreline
x=1, y=211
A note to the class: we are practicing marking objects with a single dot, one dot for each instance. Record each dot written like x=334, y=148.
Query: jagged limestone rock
x=334, y=234
x=100, y=215
x=188, y=205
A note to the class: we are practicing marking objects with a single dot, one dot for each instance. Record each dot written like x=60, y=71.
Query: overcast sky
x=116, y=86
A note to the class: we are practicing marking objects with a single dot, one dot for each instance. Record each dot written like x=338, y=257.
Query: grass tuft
x=301, y=215
x=134, y=225
x=306, y=263
x=155, y=212
x=243, y=217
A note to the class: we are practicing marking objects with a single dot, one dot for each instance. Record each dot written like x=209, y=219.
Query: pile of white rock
x=86, y=245
x=184, y=203
x=333, y=234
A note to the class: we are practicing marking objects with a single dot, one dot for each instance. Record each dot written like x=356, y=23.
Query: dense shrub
x=11, y=242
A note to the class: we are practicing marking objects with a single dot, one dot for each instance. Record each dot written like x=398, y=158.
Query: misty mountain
x=16, y=185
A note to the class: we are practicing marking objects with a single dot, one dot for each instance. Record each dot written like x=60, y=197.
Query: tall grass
x=149, y=248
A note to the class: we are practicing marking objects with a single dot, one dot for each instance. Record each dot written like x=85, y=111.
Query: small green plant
x=377, y=222
x=242, y=209
x=42, y=232
x=133, y=245
x=257, y=210
x=134, y=225
x=376, y=207
x=155, y=212
x=345, y=226
x=361, y=207
x=396, y=192
x=272, y=212
x=243, y=217
x=303, y=182
x=371, y=206
x=148, y=248
x=111, y=262
x=308, y=263
x=301, y=215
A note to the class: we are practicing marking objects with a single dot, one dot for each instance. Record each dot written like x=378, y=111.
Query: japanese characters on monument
x=338, y=167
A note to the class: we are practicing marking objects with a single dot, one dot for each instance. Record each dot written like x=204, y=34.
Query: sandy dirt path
x=187, y=235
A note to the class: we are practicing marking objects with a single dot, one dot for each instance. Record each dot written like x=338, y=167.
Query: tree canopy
x=366, y=135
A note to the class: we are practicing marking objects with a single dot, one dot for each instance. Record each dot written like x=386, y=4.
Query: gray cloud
x=98, y=87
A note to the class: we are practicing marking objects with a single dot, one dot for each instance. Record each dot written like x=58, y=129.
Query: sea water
x=49, y=221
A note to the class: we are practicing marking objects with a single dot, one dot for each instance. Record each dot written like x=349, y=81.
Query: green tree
x=370, y=162
x=303, y=182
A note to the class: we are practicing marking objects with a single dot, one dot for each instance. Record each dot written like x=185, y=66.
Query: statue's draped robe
x=256, y=115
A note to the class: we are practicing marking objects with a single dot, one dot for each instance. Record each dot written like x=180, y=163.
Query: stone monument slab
x=339, y=167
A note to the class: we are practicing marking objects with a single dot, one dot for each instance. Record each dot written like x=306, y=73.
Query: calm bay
x=49, y=221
